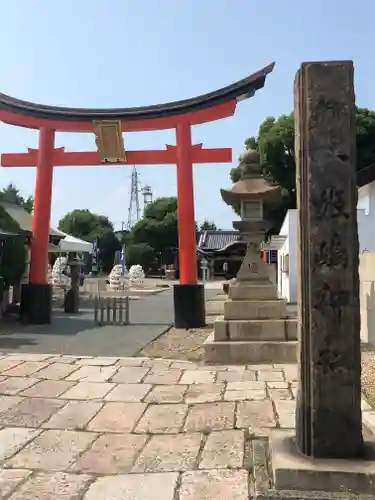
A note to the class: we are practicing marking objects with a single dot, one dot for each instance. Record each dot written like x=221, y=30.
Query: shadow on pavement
x=78, y=334
x=15, y=342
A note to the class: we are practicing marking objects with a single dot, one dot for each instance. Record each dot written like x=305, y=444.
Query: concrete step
x=255, y=329
x=249, y=291
x=210, y=319
x=215, y=307
x=254, y=309
x=251, y=352
x=219, y=297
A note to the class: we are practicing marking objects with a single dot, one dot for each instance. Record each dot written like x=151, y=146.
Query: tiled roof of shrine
x=216, y=240
x=24, y=219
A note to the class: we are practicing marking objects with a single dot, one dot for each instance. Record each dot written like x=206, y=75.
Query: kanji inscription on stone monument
x=329, y=423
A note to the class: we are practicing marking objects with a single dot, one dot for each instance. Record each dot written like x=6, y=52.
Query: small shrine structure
x=255, y=327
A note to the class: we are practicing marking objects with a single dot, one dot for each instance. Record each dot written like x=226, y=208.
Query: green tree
x=160, y=208
x=365, y=119
x=146, y=231
x=124, y=237
x=86, y=225
x=158, y=230
x=139, y=253
x=159, y=227
x=156, y=233
x=12, y=251
x=208, y=225
x=275, y=143
x=11, y=194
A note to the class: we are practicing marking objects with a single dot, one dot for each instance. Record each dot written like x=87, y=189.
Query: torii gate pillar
x=189, y=300
x=36, y=296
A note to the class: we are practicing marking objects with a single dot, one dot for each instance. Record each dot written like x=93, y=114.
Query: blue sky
x=114, y=53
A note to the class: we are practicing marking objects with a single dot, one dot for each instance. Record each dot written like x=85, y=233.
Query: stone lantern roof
x=251, y=186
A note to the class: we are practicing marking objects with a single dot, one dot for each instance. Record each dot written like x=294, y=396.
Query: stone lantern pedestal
x=255, y=327
x=71, y=300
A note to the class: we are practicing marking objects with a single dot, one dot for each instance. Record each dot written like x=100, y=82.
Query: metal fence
x=96, y=287
x=110, y=307
x=111, y=310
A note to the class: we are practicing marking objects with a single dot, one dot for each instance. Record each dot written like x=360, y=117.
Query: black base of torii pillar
x=36, y=304
x=189, y=306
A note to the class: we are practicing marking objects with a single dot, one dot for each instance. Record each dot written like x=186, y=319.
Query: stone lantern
x=256, y=198
x=255, y=327
x=71, y=300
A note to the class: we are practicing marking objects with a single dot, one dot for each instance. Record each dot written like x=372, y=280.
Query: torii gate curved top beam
x=201, y=109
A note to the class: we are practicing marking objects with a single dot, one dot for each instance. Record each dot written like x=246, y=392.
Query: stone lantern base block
x=294, y=471
x=264, y=329
x=215, y=307
x=254, y=309
x=251, y=291
x=237, y=352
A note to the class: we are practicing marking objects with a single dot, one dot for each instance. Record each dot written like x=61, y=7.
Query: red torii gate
x=108, y=126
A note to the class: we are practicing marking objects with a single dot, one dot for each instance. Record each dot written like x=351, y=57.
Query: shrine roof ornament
x=238, y=91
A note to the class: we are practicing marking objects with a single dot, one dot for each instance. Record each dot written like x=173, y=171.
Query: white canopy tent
x=72, y=244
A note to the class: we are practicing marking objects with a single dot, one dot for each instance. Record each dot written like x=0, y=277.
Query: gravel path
x=368, y=376
x=177, y=343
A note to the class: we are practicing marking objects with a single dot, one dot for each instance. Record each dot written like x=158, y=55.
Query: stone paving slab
x=86, y=428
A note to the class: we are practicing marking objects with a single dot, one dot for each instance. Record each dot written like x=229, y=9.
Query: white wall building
x=287, y=241
x=366, y=218
x=287, y=277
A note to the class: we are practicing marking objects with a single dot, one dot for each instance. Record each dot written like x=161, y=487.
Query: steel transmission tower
x=134, y=210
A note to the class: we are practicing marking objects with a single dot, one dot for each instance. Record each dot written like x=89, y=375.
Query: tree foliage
x=208, y=225
x=13, y=252
x=158, y=228
x=155, y=237
x=275, y=143
x=365, y=137
x=84, y=224
x=11, y=194
x=160, y=208
x=88, y=226
x=139, y=253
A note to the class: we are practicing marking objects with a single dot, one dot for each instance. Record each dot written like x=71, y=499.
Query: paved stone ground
x=134, y=428
x=78, y=335
x=94, y=428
